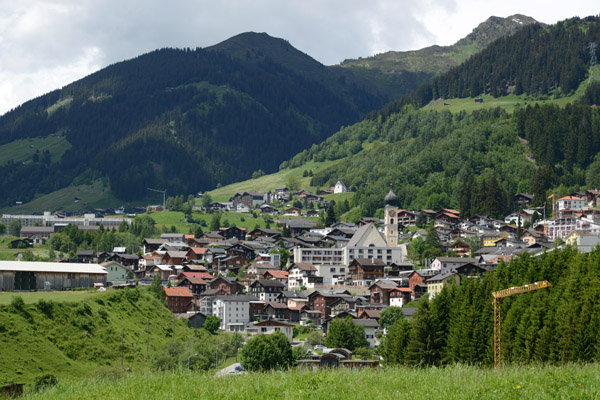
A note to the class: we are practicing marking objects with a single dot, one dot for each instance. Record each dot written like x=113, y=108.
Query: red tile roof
x=178, y=292
x=278, y=274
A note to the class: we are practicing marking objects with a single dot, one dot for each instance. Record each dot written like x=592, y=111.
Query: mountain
x=180, y=119
x=409, y=69
x=478, y=160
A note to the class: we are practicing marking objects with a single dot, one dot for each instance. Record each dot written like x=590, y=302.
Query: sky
x=47, y=44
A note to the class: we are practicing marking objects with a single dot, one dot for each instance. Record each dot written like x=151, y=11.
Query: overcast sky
x=46, y=44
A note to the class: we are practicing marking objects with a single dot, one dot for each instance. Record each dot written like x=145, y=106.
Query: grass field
x=271, y=181
x=8, y=254
x=91, y=196
x=456, y=382
x=22, y=150
x=34, y=297
x=509, y=103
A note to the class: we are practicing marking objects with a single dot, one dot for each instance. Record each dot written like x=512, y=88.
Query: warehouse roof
x=37, y=266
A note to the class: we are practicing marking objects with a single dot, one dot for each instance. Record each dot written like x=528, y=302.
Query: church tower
x=390, y=229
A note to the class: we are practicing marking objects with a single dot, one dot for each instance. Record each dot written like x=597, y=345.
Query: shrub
x=46, y=307
x=44, y=382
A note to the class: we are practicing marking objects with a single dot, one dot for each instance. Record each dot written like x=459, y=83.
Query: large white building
x=570, y=203
x=234, y=311
x=48, y=219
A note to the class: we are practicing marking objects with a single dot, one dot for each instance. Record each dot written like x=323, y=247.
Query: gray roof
x=36, y=266
x=238, y=297
x=440, y=277
x=268, y=282
x=367, y=322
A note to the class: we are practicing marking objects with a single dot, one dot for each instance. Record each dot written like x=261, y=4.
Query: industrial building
x=23, y=275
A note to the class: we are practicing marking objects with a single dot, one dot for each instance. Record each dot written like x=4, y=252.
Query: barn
x=23, y=275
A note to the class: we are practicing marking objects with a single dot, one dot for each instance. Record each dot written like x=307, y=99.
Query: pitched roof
x=370, y=261
x=440, y=277
x=36, y=266
x=197, y=275
x=278, y=274
x=268, y=283
x=177, y=291
x=570, y=198
x=305, y=266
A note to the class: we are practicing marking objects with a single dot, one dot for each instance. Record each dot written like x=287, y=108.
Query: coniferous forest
x=557, y=324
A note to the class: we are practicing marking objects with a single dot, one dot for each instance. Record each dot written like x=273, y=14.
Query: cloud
x=46, y=44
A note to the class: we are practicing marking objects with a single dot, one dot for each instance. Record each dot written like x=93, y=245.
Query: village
x=272, y=279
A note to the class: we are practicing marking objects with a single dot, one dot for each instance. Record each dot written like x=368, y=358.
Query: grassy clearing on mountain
x=22, y=150
x=94, y=195
x=456, y=382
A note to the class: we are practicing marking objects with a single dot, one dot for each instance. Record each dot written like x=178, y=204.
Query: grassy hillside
x=22, y=150
x=271, y=181
x=95, y=195
x=77, y=335
x=460, y=382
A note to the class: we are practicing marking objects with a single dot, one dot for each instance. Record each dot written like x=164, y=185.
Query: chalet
x=163, y=271
x=322, y=301
x=249, y=199
x=174, y=257
x=233, y=232
x=399, y=296
x=593, y=197
x=461, y=248
x=471, y=270
x=150, y=245
x=195, y=319
x=193, y=281
x=415, y=279
x=297, y=225
x=446, y=264
x=226, y=286
x=380, y=291
x=292, y=211
x=342, y=304
x=128, y=260
x=212, y=237
x=523, y=200
x=241, y=250
x=173, y=237
x=179, y=299
x=264, y=232
x=491, y=238
x=407, y=218
x=281, y=194
x=279, y=311
x=303, y=275
x=266, y=289
x=25, y=275
x=277, y=274
x=196, y=253
x=269, y=327
x=364, y=271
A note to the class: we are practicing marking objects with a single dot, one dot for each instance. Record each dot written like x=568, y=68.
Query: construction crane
x=164, y=193
x=499, y=295
x=553, y=196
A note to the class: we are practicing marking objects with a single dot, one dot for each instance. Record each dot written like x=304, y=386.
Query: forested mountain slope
x=404, y=71
x=478, y=161
x=183, y=119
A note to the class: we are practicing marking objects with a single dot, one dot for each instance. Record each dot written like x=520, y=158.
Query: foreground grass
x=456, y=382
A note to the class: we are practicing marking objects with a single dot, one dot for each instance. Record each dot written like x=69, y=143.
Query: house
x=179, y=299
x=380, y=291
x=195, y=319
x=436, y=283
x=226, y=286
x=583, y=241
x=249, y=199
x=460, y=247
x=478, y=100
x=471, y=270
x=163, y=271
x=407, y=218
x=21, y=243
x=240, y=250
x=264, y=232
x=570, y=203
x=277, y=274
x=193, y=281
x=445, y=264
x=340, y=187
x=174, y=257
x=364, y=271
x=522, y=200
x=269, y=327
x=593, y=197
x=266, y=290
x=322, y=301
x=303, y=275
x=26, y=275
x=128, y=260
x=491, y=238
x=173, y=237
x=150, y=245
x=116, y=272
x=234, y=311
x=41, y=231
x=399, y=296
x=293, y=298
x=297, y=225
x=233, y=232
x=371, y=327
x=292, y=211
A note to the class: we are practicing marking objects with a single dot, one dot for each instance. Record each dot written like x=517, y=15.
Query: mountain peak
x=494, y=28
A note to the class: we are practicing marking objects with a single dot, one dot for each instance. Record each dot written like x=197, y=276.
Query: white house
x=303, y=274
x=268, y=327
x=234, y=311
x=570, y=203
x=267, y=290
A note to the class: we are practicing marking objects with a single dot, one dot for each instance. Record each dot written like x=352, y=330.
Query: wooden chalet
x=366, y=269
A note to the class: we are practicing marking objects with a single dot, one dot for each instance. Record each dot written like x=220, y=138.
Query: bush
x=263, y=353
x=46, y=307
x=44, y=382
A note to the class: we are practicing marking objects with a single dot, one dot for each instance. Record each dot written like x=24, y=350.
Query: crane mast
x=499, y=295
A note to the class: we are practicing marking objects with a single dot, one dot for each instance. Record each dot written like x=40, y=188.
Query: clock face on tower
x=391, y=213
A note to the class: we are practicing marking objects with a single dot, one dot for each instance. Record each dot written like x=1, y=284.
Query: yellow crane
x=553, y=197
x=499, y=295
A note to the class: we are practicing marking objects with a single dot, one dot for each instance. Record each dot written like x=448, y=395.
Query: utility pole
x=499, y=295
x=164, y=193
